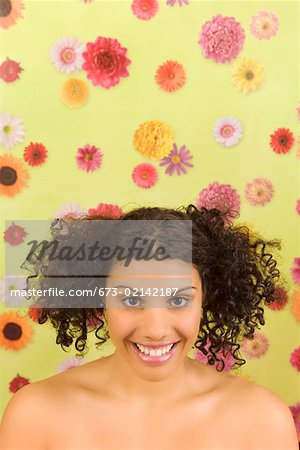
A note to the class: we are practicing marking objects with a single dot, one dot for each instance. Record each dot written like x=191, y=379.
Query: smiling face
x=156, y=319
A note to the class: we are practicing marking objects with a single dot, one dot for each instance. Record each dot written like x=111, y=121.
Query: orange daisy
x=10, y=11
x=74, y=92
x=296, y=305
x=13, y=175
x=170, y=76
x=15, y=331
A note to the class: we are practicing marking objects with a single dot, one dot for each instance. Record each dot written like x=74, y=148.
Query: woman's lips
x=154, y=359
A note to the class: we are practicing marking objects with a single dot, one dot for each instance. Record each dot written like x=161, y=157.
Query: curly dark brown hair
x=238, y=274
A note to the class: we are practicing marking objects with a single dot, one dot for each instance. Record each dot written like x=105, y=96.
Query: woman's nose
x=156, y=323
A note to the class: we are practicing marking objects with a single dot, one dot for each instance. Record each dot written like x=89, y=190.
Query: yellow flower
x=74, y=92
x=248, y=75
x=154, y=139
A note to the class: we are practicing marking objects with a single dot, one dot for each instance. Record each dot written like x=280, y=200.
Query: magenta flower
x=295, y=359
x=226, y=356
x=295, y=410
x=89, y=158
x=105, y=62
x=180, y=2
x=14, y=234
x=106, y=210
x=221, y=38
x=177, y=159
x=296, y=271
x=221, y=196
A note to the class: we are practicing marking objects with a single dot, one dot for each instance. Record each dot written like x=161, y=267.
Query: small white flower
x=11, y=130
x=69, y=211
x=228, y=131
x=66, y=54
x=15, y=283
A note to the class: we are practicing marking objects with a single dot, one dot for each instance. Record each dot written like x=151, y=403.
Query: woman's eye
x=131, y=300
x=178, y=303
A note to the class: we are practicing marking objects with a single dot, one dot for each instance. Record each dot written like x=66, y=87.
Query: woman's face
x=157, y=318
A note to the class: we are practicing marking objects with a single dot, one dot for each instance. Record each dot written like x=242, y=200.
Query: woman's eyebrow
x=179, y=290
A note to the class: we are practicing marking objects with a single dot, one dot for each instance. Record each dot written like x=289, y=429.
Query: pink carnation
x=295, y=359
x=106, y=210
x=296, y=271
x=228, y=359
x=222, y=197
x=221, y=38
x=105, y=62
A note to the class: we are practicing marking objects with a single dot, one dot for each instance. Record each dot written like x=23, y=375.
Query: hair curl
x=238, y=274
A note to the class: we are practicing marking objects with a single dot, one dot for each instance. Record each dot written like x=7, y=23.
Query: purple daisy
x=177, y=159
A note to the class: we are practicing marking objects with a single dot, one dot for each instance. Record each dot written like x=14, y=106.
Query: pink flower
x=66, y=54
x=295, y=359
x=295, y=410
x=259, y=192
x=177, y=159
x=10, y=70
x=106, y=210
x=14, y=234
x=221, y=196
x=69, y=211
x=296, y=271
x=264, y=25
x=144, y=9
x=221, y=39
x=89, y=158
x=228, y=131
x=298, y=112
x=180, y=2
x=256, y=347
x=69, y=363
x=298, y=206
x=105, y=62
x=226, y=356
x=144, y=175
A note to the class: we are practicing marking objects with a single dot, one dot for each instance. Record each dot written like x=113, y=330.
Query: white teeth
x=158, y=352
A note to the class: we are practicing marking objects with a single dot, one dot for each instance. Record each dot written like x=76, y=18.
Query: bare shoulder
x=266, y=414
x=24, y=414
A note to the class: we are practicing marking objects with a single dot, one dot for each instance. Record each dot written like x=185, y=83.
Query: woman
x=148, y=394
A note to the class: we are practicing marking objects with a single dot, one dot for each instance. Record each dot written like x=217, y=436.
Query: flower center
x=8, y=176
x=12, y=331
x=68, y=55
x=9, y=70
x=283, y=140
x=249, y=75
x=175, y=159
x=88, y=157
x=259, y=192
x=144, y=175
x=36, y=154
x=145, y=6
x=171, y=75
x=7, y=129
x=5, y=7
x=105, y=60
x=227, y=131
x=265, y=26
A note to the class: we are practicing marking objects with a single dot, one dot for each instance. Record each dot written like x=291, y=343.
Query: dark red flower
x=282, y=140
x=17, y=383
x=35, y=154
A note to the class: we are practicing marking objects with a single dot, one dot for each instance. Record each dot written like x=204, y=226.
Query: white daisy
x=11, y=130
x=17, y=284
x=69, y=363
x=66, y=54
x=228, y=131
x=69, y=211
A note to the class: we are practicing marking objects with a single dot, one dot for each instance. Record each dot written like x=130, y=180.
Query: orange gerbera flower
x=74, y=92
x=15, y=331
x=170, y=76
x=13, y=175
x=10, y=11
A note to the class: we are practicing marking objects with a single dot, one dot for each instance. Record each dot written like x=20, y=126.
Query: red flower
x=106, y=210
x=105, y=62
x=14, y=234
x=35, y=154
x=17, y=383
x=281, y=298
x=10, y=70
x=282, y=140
